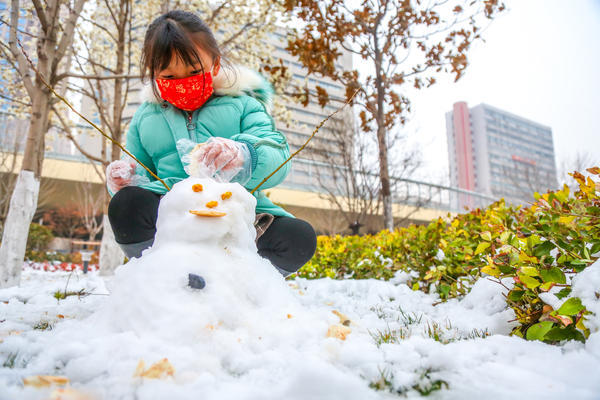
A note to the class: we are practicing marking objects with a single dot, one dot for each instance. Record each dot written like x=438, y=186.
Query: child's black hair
x=176, y=32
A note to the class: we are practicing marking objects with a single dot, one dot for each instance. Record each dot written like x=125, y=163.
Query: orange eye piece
x=197, y=187
x=226, y=196
x=212, y=204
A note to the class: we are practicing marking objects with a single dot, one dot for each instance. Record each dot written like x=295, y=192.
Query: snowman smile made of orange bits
x=211, y=204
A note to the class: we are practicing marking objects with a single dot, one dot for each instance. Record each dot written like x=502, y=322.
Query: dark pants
x=288, y=242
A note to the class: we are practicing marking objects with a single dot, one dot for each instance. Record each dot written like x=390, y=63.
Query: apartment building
x=495, y=152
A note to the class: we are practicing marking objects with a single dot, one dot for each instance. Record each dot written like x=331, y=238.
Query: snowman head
x=203, y=210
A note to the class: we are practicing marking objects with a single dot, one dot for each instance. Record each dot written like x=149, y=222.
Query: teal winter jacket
x=238, y=110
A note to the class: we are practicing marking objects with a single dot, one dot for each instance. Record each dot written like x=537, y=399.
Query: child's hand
x=225, y=160
x=119, y=174
x=220, y=154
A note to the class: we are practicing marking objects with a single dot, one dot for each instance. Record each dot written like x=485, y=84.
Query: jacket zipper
x=190, y=124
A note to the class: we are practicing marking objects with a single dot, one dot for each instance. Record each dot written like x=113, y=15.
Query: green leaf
x=563, y=293
x=593, y=210
x=481, y=247
x=506, y=269
x=557, y=334
x=529, y=282
x=578, y=265
x=569, y=333
x=486, y=236
x=444, y=290
x=516, y=295
x=571, y=307
x=539, y=330
x=543, y=249
x=554, y=275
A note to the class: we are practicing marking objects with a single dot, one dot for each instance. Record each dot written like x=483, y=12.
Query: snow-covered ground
x=473, y=357
x=251, y=335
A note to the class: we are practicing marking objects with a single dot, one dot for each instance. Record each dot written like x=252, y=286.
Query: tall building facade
x=303, y=173
x=500, y=154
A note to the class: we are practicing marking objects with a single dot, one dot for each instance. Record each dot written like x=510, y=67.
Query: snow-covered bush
x=540, y=248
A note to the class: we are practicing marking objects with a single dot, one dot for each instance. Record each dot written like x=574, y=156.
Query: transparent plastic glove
x=190, y=164
x=225, y=160
x=124, y=172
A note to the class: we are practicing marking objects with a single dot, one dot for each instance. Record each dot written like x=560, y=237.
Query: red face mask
x=188, y=93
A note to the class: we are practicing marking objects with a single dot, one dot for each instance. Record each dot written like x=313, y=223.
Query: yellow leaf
x=491, y=270
x=338, y=332
x=415, y=286
x=481, y=247
x=344, y=320
x=529, y=271
x=160, y=369
x=68, y=394
x=40, y=381
x=486, y=236
x=525, y=258
x=566, y=220
x=529, y=282
x=579, y=325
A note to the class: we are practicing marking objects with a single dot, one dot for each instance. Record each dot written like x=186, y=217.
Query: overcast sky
x=541, y=61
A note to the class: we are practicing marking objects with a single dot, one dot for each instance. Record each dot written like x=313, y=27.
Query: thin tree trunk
x=384, y=174
x=384, y=170
x=16, y=229
x=24, y=197
x=111, y=255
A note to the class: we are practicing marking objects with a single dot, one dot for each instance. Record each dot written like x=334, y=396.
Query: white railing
x=304, y=176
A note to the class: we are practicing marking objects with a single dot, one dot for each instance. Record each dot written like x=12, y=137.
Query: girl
x=194, y=98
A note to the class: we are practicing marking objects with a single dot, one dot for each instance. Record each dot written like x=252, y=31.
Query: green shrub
x=540, y=248
x=39, y=237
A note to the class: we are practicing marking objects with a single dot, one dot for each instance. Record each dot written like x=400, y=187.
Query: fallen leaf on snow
x=160, y=369
x=338, y=332
x=68, y=394
x=40, y=381
x=343, y=319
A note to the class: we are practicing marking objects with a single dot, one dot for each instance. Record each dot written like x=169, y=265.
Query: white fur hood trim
x=236, y=81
